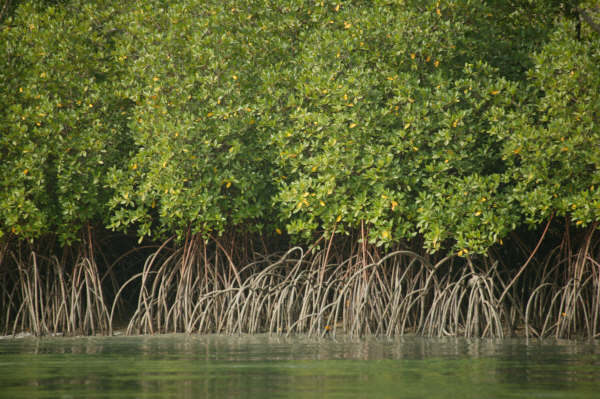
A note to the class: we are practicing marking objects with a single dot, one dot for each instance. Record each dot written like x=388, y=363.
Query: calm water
x=179, y=366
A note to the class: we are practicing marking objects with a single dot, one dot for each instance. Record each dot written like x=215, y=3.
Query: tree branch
x=584, y=16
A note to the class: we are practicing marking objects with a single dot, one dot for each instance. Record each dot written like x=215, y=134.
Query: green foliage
x=62, y=123
x=392, y=124
x=553, y=146
x=457, y=121
x=201, y=128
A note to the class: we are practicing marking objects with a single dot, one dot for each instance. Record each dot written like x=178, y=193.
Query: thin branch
x=527, y=262
x=584, y=16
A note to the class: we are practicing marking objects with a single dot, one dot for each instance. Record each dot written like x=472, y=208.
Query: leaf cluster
x=456, y=121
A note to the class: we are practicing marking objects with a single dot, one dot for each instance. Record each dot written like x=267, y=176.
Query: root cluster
x=196, y=289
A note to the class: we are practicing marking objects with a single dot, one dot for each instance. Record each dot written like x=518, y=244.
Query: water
x=180, y=366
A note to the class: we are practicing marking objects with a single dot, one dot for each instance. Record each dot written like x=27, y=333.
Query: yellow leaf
x=412, y=56
x=436, y=63
x=477, y=213
x=394, y=205
x=155, y=79
x=134, y=167
x=493, y=93
x=26, y=171
x=406, y=126
x=228, y=184
x=428, y=59
x=209, y=114
x=347, y=25
x=564, y=149
x=278, y=230
x=579, y=222
x=438, y=12
x=234, y=77
x=352, y=125
x=337, y=8
x=385, y=234
x=322, y=203
x=338, y=218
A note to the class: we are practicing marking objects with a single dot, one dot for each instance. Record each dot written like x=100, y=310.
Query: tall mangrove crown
x=451, y=121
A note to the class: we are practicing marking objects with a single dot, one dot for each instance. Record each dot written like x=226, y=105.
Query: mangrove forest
x=360, y=167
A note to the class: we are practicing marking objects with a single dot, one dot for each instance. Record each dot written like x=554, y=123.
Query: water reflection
x=268, y=366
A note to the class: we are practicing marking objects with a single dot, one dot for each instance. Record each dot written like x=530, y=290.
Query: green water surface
x=262, y=366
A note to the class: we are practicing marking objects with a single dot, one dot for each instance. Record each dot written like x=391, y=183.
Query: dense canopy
x=456, y=121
